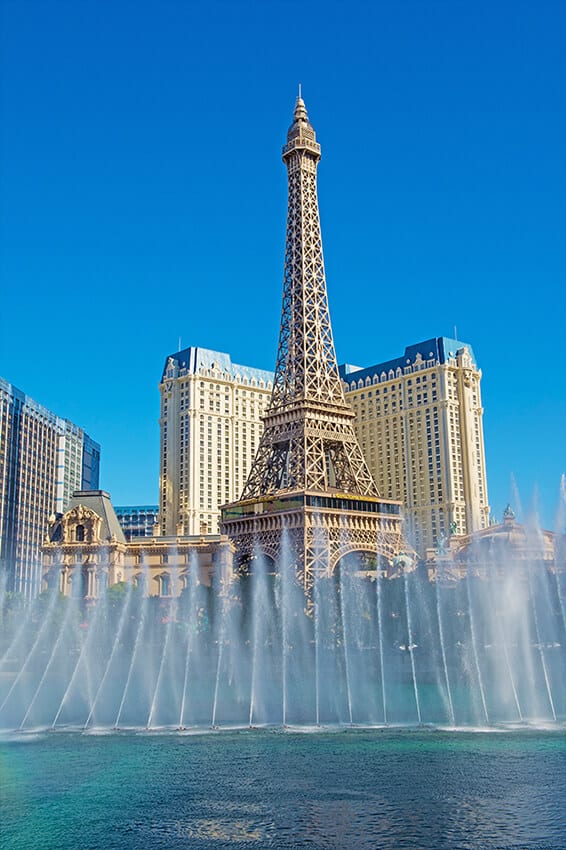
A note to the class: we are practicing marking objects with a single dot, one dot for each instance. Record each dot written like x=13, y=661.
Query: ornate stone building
x=506, y=549
x=85, y=552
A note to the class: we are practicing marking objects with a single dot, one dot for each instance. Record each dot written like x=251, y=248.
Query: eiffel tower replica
x=309, y=478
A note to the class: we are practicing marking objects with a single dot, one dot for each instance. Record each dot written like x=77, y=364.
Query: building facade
x=43, y=459
x=137, y=520
x=419, y=422
x=210, y=427
x=86, y=551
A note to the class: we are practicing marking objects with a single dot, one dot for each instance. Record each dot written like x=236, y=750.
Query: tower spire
x=308, y=440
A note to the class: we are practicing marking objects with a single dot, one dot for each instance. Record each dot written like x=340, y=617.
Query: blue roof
x=193, y=359
x=439, y=349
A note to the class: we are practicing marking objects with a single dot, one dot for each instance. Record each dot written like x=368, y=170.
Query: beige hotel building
x=210, y=427
x=419, y=423
x=418, y=420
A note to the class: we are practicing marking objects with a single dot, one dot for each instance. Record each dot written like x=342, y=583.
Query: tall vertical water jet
x=225, y=632
x=320, y=546
x=452, y=716
x=362, y=669
x=169, y=624
x=285, y=577
x=379, y=604
x=474, y=643
x=166, y=697
x=345, y=640
x=317, y=640
x=126, y=607
x=264, y=639
x=503, y=638
x=88, y=643
x=539, y=642
x=410, y=644
x=296, y=640
x=255, y=652
x=560, y=530
x=138, y=641
x=191, y=631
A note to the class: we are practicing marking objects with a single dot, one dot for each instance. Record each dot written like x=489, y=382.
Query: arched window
x=80, y=534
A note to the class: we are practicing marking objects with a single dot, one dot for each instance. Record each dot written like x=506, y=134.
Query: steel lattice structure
x=308, y=441
x=309, y=448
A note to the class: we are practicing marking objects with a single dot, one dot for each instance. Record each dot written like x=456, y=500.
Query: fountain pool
x=361, y=790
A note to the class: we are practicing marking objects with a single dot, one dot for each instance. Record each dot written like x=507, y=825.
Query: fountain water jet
x=256, y=650
x=138, y=639
x=121, y=626
x=452, y=716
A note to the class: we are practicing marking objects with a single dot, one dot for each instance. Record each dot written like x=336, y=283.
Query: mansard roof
x=440, y=349
x=99, y=502
x=194, y=359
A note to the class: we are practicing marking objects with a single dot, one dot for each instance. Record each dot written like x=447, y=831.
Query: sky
x=143, y=203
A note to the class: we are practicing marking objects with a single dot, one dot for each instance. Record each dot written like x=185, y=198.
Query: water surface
x=376, y=790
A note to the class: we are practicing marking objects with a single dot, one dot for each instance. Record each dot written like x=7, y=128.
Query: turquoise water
x=380, y=790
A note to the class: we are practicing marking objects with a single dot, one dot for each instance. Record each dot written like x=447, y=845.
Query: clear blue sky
x=143, y=199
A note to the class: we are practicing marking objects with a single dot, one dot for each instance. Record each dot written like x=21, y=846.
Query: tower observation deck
x=309, y=476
